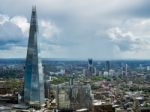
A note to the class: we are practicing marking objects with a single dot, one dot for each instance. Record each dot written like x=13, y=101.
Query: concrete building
x=103, y=108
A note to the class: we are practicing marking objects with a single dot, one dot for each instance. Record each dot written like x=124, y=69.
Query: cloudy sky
x=78, y=29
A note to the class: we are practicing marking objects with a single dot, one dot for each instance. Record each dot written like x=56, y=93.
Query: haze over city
x=78, y=29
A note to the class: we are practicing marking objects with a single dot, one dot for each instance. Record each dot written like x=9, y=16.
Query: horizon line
x=80, y=59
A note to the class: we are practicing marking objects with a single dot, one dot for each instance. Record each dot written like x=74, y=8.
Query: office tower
x=107, y=66
x=47, y=89
x=122, y=69
x=90, y=65
x=90, y=62
x=33, y=76
x=126, y=69
x=91, y=70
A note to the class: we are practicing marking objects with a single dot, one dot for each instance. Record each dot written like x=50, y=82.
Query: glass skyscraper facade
x=33, y=76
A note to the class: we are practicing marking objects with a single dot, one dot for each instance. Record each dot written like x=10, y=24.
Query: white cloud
x=22, y=23
x=3, y=19
x=127, y=41
x=14, y=29
x=131, y=38
x=139, y=26
x=9, y=31
x=116, y=34
x=14, y=33
x=48, y=29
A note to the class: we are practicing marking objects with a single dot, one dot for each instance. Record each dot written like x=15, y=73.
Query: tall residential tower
x=33, y=76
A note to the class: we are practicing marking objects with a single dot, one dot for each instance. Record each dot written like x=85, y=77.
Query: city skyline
x=77, y=29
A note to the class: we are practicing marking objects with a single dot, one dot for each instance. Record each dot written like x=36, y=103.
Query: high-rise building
x=107, y=66
x=91, y=70
x=90, y=66
x=33, y=76
x=90, y=62
x=126, y=69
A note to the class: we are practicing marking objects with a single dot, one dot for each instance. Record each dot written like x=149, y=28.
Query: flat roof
x=81, y=110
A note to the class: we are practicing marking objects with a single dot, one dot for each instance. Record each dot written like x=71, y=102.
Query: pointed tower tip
x=34, y=8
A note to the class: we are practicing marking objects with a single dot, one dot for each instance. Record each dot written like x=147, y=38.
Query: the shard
x=33, y=76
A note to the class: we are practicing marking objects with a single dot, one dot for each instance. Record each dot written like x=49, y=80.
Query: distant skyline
x=78, y=29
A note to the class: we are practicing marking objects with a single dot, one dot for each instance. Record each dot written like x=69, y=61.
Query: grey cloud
x=78, y=22
x=139, y=10
x=127, y=41
x=10, y=34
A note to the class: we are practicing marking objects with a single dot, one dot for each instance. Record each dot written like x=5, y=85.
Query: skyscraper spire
x=33, y=76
